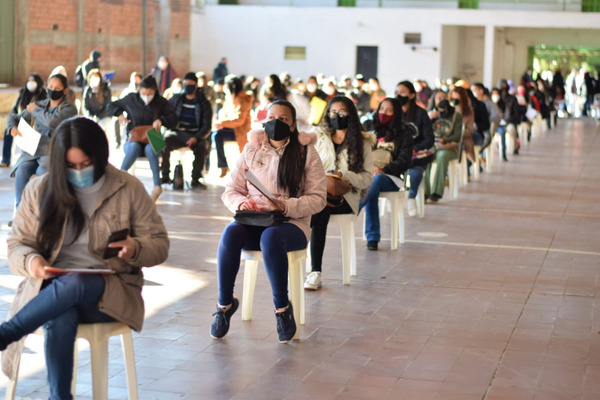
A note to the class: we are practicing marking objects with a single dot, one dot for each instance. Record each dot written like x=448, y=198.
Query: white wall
x=253, y=39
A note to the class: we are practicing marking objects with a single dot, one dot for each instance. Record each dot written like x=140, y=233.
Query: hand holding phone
x=110, y=252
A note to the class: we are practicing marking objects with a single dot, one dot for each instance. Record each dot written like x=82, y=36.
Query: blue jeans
x=219, y=138
x=501, y=130
x=61, y=305
x=7, y=147
x=273, y=241
x=133, y=150
x=381, y=183
x=23, y=174
x=416, y=176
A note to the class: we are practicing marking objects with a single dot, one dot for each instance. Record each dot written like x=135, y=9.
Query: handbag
x=336, y=189
x=260, y=218
x=382, y=157
x=139, y=134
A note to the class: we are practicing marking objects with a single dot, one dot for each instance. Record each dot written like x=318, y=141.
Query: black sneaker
x=372, y=245
x=286, y=326
x=165, y=179
x=434, y=197
x=198, y=185
x=220, y=324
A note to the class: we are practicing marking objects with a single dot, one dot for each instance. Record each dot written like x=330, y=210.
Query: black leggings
x=318, y=232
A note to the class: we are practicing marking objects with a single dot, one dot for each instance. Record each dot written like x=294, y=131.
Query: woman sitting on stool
x=392, y=155
x=275, y=155
x=64, y=221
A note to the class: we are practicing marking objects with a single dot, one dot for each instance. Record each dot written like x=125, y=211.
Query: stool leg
x=129, y=358
x=99, y=358
x=401, y=228
x=346, y=258
x=394, y=224
x=352, y=251
x=75, y=363
x=451, y=179
x=249, y=285
x=296, y=291
x=11, y=386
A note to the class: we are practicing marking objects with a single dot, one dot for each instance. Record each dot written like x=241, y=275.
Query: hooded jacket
x=263, y=160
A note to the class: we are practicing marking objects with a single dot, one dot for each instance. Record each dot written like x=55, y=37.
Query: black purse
x=260, y=218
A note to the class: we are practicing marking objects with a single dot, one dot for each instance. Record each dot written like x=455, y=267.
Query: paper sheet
x=29, y=139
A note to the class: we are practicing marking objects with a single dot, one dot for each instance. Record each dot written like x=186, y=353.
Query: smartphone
x=110, y=252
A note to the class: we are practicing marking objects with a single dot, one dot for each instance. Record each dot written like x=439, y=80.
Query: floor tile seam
x=503, y=246
x=514, y=329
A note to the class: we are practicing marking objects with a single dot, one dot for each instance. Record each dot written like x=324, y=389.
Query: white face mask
x=94, y=81
x=147, y=99
x=163, y=65
x=311, y=87
x=495, y=98
x=31, y=86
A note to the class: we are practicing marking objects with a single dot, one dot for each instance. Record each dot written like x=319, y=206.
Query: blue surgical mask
x=81, y=178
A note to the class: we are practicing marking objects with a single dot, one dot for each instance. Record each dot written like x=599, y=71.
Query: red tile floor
x=493, y=296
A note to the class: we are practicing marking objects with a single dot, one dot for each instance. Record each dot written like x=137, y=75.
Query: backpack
x=178, y=177
x=79, y=79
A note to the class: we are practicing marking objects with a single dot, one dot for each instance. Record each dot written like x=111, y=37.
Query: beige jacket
x=122, y=203
x=360, y=181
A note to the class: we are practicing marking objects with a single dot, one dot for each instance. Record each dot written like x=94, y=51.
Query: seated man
x=194, y=115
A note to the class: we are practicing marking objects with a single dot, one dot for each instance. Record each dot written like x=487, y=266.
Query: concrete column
x=488, y=56
x=80, y=33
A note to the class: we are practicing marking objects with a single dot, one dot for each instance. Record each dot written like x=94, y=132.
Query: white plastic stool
x=477, y=149
x=251, y=260
x=97, y=336
x=346, y=222
x=463, y=172
x=396, y=201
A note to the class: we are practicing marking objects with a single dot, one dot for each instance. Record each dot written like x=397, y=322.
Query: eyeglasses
x=341, y=113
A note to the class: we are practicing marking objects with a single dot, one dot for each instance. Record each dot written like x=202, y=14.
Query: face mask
x=444, y=114
x=385, y=119
x=495, y=98
x=31, y=86
x=55, y=94
x=329, y=90
x=177, y=90
x=339, y=123
x=189, y=89
x=277, y=130
x=311, y=87
x=162, y=65
x=455, y=101
x=521, y=92
x=94, y=81
x=147, y=99
x=402, y=99
x=81, y=178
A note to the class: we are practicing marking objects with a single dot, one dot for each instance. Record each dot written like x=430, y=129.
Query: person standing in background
x=164, y=73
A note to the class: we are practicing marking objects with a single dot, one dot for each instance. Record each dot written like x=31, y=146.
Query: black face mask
x=402, y=99
x=277, y=130
x=189, y=89
x=455, y=102
x=445, y=114
x=339, y=123
x=55, y=94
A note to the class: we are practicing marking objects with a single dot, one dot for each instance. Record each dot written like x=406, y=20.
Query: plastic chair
x=97, y=336
x=477, y=162
x=396, y=202
x=251, y=259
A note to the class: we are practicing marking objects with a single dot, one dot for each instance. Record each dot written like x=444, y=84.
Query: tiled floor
x=493, y=296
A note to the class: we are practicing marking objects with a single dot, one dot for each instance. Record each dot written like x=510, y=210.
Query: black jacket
x=140, y=114
x=92, y=106
x=403, y=150
x=424, y=139
x=203, y=113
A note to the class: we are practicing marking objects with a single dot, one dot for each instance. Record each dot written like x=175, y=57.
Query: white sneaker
x=313, y=281
x=412, y=207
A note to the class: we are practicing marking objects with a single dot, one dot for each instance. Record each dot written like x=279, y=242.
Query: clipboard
x=156, y=140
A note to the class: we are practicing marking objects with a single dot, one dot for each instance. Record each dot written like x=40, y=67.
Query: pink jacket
x=263, y=160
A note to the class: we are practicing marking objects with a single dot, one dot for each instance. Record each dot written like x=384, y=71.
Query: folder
x=156, y=141
x=317, y=109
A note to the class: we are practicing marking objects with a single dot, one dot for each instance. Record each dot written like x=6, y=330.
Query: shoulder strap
x=304, y=152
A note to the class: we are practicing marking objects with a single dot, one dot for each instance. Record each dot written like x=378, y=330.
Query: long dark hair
x=290, y=169
x=234, y=84
x=465, y=105
x=409, y=115
x=394, y=128
x=277, y=90
x=353, y=141
x=27, y=97
x=58, y=201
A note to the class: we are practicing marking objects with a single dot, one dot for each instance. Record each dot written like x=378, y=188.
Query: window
x=295, y=52
x=412, y=38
